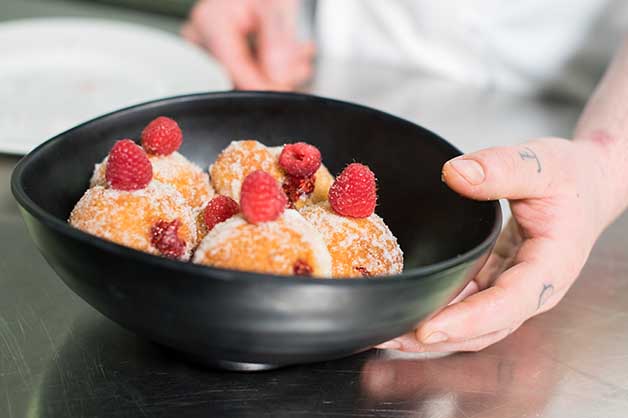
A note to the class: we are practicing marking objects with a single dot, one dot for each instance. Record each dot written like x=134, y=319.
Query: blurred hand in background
x=255, y=40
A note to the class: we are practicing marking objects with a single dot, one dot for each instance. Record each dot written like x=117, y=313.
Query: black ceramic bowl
x=248, y=321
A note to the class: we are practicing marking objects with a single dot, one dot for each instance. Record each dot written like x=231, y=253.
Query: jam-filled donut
x=288, y=245
x=359, y=247
x=175, y=170
x=237, y=161
x=154, y=219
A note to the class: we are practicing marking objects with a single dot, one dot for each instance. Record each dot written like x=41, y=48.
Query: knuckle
x=541, y=217
x=499, y=164
x=497, y=160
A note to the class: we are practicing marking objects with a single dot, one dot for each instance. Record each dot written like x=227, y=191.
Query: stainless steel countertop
x=61, y=358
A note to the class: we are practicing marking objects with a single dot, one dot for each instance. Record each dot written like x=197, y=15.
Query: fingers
x=232, y=49
x=536, y=282
x=405, y=342
x=303, y=66
x=490, y=269
x=286, y=65
x=396, y=344
x=224, y=30
x=501, y=257
x=409, y=343
x=518, y=172
x=471, y=344
x=283, y=58
x=229, y=28
x=470, y=289
x=496, y=308
x=542, y=272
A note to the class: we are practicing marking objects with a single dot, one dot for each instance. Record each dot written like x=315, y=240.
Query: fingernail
x=471, y=170
x=390, y=345
x=435, y=337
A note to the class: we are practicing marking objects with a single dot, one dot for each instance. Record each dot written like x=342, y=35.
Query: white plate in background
x=58, y=72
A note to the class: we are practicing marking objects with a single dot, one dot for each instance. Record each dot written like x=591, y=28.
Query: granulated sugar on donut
x=128, y=217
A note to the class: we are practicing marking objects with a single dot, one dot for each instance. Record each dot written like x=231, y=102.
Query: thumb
x=516, y=172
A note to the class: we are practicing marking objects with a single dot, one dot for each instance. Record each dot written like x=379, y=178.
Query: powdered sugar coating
x=98, y=176
x=126, y=217
x=270, y=247
x=176, y=170
x=356, y=245
x=275, y=151
x=237, y=161
x=188, y=178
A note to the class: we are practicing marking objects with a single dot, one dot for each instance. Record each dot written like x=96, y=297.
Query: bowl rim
x=62, y=227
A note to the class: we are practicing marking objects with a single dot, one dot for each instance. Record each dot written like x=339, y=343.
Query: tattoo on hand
x=546, y=292
x=528, y=154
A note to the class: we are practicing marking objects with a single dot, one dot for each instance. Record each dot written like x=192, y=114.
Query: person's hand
x=228, y=28
x=560, y=204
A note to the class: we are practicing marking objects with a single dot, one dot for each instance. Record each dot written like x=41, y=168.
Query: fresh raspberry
x=354, y=193
x=295, y=187
x=301, y=268
x=128, y=167
x=261, y=198
x=162, y=136
x=164, y=237
x=300, y=159
x=218, y=210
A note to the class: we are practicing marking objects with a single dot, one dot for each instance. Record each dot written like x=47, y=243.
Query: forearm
x=603, y=126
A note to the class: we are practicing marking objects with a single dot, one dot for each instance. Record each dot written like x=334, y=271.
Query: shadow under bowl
x=246, y=321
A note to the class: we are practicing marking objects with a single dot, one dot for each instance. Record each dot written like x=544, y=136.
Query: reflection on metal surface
x=513, y=375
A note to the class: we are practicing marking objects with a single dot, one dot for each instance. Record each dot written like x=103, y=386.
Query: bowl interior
x=432, y=223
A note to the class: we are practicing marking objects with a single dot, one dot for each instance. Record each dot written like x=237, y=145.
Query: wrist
x=607, y=155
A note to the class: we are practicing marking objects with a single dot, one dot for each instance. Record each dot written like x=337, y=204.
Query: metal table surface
x=61, y=358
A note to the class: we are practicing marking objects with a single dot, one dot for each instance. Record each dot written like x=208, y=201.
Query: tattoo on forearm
x=528, y=154
x=545, y=294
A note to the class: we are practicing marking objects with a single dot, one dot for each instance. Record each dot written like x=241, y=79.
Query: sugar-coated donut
x=286, y=246
x=358, y=247
x=128, y=217
x=237, y=161
x=175, y=170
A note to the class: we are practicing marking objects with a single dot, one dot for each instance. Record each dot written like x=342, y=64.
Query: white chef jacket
x=526, y=46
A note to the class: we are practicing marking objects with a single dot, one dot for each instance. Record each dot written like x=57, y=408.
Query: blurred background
x=165, y=14
x=56, y=74
x=65, y=62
